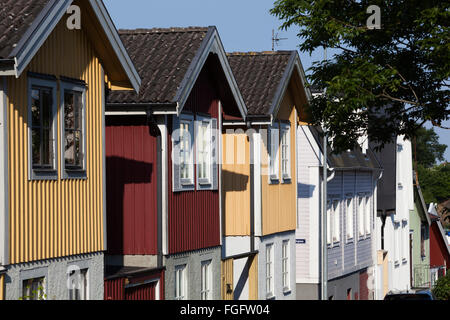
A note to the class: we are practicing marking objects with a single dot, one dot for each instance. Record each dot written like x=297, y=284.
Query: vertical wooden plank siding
x=115, y=289
x=236, y=184
x=50, y=219
x=279, y=200
x=227, y=279
x=253, y=279
x=193, y=216
x=131, y=173
x=2, y=287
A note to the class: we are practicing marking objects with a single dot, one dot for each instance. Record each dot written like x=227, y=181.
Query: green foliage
x=427, y=148
x=435, y=182
x=385, y=82
x=442, y=288
x=37, y=294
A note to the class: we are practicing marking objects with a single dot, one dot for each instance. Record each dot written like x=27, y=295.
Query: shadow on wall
x=305, y=191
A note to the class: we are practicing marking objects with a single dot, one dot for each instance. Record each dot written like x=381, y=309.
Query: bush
x=442, y=288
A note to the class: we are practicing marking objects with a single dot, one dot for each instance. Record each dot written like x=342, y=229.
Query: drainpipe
x=323, y=224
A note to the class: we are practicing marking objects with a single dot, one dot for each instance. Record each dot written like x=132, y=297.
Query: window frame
x=43, y=82
x=285, y=265
x=67, y=171
x=203, y=181
x=84, y=279
x=270, y=271
x=274, y=160
x=349, y=222
x=181, y=270
x=368, y=216
x=361, y=213
x=285, y=131
x=189, y=120
x=336, y=216
x=206, y=286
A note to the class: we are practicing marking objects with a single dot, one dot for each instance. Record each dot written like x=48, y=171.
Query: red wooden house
x=163, y=168
x=439, y=247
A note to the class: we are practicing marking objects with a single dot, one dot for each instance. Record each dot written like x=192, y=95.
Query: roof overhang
x=211, y=44
x=43, y=26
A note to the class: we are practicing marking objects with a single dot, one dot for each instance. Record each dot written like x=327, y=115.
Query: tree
x=382, y=82
x=441, y=289
x=428, y=150
x=435, y=182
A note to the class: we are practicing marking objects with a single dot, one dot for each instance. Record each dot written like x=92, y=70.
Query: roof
x=169, y=62
x=259, y=76
x=353, y=159
x=112, y=272
x=162, y=58
x=423, y=212
x=26, y=24
x=16, y=16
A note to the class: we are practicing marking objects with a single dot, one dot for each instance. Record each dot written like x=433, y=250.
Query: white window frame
x=336, y=216
x=274, y=159
x=83, y=282
x=187, y=120
x=349, y=206
x=180, y=282
x=397, y=237
x=201, y=121
x=206, y=280
x=67, y=172
x=285, y=132
x=361, y=215
x=368, y=214
x=29, y=293
x=285, y=265
x=51, y=173
x=329, y=227
x=270, y=271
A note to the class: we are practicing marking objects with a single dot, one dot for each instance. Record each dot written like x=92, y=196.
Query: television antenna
x=275, y=39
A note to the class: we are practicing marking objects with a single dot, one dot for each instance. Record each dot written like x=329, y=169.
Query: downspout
x=323, y=225
x=252, y=190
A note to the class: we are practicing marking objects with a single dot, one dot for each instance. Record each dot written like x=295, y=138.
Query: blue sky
x=243, y=25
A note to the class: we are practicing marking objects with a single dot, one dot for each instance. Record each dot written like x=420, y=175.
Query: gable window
x=73, y=112
x=285, y=266
x=274, y=142
x=269, y=272
x=349, y=217
x=203, y=145
x=206, y=280
x=180, y=282
x=42, y=128
x=285, y=131
x=185, y=152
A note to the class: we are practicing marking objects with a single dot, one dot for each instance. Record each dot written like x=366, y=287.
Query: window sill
x=270, y=296
x=287, y=291
x=44, y=174
x=74, y=174
x=287, y=180
x=350, y=240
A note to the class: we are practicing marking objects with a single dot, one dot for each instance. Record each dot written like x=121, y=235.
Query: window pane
x=36, y=146
x=69, y=115
x=46, y=108
x=69, y=153
x=35, y=108
x=46, y=147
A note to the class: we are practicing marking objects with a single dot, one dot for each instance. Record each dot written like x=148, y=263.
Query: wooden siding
x=2, y=287
x=279, y=200
x=50, y=219
x=193, y=216
x=253, y=278
x=131, y=186
x=236, y=184
x=227, y=279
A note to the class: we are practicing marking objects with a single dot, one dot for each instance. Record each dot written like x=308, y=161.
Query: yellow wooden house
x=57, y=58
x=259, y=177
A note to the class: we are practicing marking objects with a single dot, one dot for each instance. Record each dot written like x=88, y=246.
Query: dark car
x=418, y=295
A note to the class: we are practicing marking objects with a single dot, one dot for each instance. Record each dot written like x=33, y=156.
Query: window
x=336, y=221
x=273, y=153
x=78, y=280
x=73, y=130
x=286, y=152
x=423, y=231
x=361, y=214
x=203, y=144
x=397, y=237
x=285, y=266
x=367, y=215
x=34, y=289
x=349, y=219
x=186, y=168
x=180, y=283
x=42, y=128
x=206, y=280
x=269, y=271
x=329, y=222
